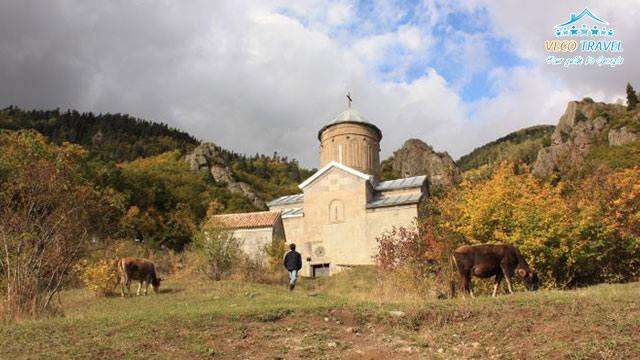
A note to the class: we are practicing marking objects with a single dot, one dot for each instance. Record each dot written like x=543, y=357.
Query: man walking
x=293, y=263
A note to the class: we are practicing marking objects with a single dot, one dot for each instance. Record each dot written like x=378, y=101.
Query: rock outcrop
x=622, y=136
x=206, y=157
x=584, y=124
x=416, y=157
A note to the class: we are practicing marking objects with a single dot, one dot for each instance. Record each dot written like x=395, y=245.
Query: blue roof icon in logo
x=584, y=13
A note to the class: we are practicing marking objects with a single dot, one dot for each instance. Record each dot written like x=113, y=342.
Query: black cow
x=486, y=260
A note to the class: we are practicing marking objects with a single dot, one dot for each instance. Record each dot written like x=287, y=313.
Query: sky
x=265, y=76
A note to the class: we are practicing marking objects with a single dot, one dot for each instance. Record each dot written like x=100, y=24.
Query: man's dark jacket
x=293, y=260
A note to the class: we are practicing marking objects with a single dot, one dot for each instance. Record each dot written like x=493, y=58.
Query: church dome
x=350, y=139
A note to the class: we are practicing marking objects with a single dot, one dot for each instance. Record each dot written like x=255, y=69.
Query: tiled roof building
x=254, y=230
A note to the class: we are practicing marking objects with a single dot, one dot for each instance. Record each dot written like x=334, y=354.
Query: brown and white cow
x=143, y=270
x=486, y=260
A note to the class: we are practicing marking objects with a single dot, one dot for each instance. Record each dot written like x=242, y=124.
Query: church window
x=336, y=211
x=355, y=155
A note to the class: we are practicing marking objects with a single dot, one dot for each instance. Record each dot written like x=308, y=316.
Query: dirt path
x=334, y=335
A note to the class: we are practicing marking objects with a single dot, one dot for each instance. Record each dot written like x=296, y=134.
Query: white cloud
x=339, y=13
x=525, y=98
x=264, y=77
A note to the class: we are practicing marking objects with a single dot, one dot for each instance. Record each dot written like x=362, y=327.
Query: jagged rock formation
x=584, y=124
x=206, y=157
x=416, y=157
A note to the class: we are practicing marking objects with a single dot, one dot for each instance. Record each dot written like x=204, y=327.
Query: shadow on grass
x=170, y=291
x=117, y=294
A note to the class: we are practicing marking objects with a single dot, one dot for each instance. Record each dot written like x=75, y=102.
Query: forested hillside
x=519, y=146
x=270, y=176
x=141, y=165
x=110, y=137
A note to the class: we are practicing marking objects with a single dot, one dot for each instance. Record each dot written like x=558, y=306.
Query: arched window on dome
x=336, y=211
x=355, y=158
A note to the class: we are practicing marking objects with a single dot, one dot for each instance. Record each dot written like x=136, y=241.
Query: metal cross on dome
x=349, y=98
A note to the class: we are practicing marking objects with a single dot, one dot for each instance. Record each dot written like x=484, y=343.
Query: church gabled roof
x=385, y=201
x=331, y=165
x=252, y=220
x=287, y=200
x=404, y=183
x=350, y=116
x=290, y=213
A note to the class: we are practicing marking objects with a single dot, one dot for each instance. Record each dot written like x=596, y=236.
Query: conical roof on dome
x=349, y=116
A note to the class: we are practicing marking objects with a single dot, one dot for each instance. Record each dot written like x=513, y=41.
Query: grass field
x=341, y=317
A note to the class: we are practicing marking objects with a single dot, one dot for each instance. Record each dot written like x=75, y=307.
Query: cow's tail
x=453, y=266
x=119, y=264
x=155, y=273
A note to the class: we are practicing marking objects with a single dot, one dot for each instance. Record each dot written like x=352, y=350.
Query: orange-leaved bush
x=99, y=277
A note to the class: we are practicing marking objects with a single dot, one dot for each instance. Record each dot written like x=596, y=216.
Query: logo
x=584, y=40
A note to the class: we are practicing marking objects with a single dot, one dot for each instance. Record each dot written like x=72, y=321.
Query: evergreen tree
x=632, y=98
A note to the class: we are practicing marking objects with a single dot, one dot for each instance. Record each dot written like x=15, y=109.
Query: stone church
x=343, y=207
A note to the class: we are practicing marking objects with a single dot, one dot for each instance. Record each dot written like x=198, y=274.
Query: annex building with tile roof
x=342, y=208
x=253, y=230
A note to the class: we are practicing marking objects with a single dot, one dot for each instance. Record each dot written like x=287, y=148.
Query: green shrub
x=219, y=250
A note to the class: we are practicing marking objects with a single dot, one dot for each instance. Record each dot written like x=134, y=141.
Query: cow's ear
x=521, y=272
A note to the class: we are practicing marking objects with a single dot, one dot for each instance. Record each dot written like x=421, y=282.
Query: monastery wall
x=254, y=240
x=383, y=219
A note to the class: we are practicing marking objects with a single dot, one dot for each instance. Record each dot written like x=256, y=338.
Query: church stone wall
x=254, y=240
x=355, y=145
x=334, y=219
x=294, y=228
x=384, y=219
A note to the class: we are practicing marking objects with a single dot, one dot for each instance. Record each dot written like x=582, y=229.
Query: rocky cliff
x=206, y=157
x=584, y=125
x=416, y=157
